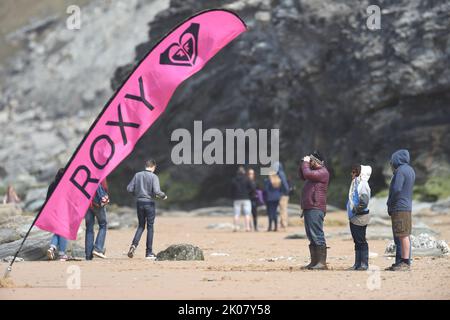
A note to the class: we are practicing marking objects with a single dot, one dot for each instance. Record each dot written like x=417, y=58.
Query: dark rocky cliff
x=314, y=70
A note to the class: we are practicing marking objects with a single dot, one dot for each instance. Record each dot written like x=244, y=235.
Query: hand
x=307, y=159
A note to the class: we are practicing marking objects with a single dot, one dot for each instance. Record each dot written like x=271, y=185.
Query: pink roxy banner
x=131, y=111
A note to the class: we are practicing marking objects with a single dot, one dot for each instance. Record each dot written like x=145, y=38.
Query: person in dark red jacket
x=314, y=206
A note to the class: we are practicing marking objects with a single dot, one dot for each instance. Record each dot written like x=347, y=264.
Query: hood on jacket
x=366, y=172
x=400, y=157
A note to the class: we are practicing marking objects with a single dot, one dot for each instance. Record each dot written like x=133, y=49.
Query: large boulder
x=8, y=235
x=181, y=252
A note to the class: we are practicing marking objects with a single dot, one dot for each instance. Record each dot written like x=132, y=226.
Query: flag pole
x=9, y=268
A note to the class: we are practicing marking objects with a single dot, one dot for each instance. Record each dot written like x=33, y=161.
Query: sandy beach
x=237, y=266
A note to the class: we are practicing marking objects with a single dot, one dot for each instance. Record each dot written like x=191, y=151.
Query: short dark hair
x=150, y=163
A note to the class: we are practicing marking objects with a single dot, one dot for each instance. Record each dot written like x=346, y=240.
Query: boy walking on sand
x=145, y=187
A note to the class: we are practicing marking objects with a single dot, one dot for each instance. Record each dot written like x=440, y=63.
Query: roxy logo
x=183, y=53
x=103, y=148
x=233, y=147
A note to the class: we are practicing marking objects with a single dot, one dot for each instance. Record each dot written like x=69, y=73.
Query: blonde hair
x=275, y=181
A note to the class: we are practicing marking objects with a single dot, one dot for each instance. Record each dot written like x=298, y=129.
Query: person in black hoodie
x=242, y=189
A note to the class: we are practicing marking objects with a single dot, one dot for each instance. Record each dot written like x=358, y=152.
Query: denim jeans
x=359, y=237
x=59, y=243
x=398, y=250
x=146, y=212
x=99, y=245
x=314, y=226
x=272, y=213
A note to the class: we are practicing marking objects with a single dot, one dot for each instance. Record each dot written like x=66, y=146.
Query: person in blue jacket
x=399, y=206
x=272, y=194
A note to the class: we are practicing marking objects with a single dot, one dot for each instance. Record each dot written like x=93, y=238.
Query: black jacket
x=242, y=188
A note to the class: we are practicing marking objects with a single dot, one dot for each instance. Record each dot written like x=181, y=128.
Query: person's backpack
x=101, y=198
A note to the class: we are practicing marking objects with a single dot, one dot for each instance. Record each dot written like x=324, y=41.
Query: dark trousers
x=314, y=226
x=146, y=212
x=272, y=213
x=255, y=214
x=359, y=237
x=99, y=245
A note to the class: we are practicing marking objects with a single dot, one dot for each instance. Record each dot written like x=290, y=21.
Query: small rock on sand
x=179, y=252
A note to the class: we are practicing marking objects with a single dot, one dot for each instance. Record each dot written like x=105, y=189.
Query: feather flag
x=134, y=107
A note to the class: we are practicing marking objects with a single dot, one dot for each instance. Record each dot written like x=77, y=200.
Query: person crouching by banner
x=314, y=206
x=358, y=214
x=145, y=188
x=58, y=244
x=97, y=210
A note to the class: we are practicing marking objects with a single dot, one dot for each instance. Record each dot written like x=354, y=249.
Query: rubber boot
x=313, y=257
x=357, y=261
x=364, y=260
x=321, y=264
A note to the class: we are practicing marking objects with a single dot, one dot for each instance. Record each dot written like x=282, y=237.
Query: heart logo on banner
x=183, y=53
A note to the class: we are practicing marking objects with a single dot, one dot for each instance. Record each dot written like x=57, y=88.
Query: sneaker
x=51, y=253
x=151, y=257
x=63, y=257
x=99, y=254
x=131, y=251
x=391, y=266
x=402, y=266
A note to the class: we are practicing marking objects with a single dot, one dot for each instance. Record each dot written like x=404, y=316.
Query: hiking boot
x=364, y=260
x=313, y=255
x=131, y=251
x=402, y=266
x=99, y=254
x=321, y=252
x=357, y=263
x=51, y=253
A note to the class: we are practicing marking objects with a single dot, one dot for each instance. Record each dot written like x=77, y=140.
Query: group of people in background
x=274, y=194
x=248, y=196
